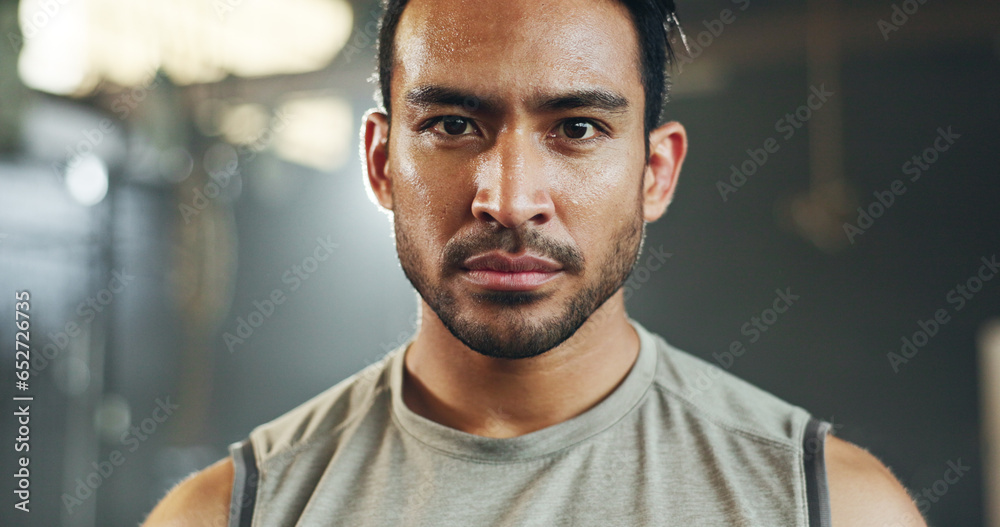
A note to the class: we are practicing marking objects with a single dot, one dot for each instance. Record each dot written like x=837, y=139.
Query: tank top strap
x=814, y=459
x=245, y=479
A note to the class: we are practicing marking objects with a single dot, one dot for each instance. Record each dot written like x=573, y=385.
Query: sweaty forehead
x=511, y=47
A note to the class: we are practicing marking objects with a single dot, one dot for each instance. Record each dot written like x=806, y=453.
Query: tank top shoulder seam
x=294, y=448
x=666, y=353
x=749, y=433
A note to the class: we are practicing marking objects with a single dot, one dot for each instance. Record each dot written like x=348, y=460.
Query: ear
x=667, y=148
x=376, y=155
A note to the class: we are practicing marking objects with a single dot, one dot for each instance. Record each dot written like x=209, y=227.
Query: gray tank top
x=680, y=442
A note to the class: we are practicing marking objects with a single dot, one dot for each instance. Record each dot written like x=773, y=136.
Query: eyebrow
x=426, y=96
x=595, y=99
x=590, y=98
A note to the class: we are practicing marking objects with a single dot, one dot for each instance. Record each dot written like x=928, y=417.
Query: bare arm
x=863, y=492
x=201, y=500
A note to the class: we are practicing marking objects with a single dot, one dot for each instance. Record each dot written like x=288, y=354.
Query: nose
x=512, y=186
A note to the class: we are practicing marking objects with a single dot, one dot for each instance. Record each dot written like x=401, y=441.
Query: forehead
x=514, y=48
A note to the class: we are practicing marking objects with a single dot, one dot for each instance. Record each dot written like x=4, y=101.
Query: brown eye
x=579, y=129
x=454, y=125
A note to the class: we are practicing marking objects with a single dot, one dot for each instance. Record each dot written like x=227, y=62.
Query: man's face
x=516, y=155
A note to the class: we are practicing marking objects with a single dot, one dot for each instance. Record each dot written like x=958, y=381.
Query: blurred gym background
x=181, y=193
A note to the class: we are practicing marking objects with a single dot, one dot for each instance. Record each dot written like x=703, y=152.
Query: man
x=520, y=157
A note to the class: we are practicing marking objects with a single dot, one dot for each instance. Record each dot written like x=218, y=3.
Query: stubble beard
x=512, y=334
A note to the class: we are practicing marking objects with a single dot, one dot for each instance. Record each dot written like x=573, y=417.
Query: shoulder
x=323, y=417
x=863, y=491
x=718, y=396
x=200, y=500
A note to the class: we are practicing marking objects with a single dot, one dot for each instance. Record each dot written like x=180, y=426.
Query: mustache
x=500, y=238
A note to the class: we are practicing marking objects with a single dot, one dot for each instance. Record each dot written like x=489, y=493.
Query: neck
x=446, y=382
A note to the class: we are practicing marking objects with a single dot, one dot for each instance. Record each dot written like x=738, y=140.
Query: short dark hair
x=653, y=19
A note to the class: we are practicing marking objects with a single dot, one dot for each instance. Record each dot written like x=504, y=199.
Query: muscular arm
x=863, y=492
x=201, y=500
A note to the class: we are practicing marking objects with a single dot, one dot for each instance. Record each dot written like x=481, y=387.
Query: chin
x=504, y=329
x=508, y=299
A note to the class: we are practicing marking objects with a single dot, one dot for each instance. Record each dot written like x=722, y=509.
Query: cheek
x=596, y=200
x=429, y=197
x=410, y=189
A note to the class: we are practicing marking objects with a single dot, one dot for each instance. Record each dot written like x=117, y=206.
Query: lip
x=501, y=272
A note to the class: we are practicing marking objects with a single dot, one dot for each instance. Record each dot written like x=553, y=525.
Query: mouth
x=501, y=272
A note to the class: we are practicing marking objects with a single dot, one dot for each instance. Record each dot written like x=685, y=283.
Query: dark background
x=163, y=335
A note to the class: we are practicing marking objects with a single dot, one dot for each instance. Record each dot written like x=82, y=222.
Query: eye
x=579, y=129
x=454, y=125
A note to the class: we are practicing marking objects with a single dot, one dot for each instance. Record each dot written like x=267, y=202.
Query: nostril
x=540, y=218
x=513, y=201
